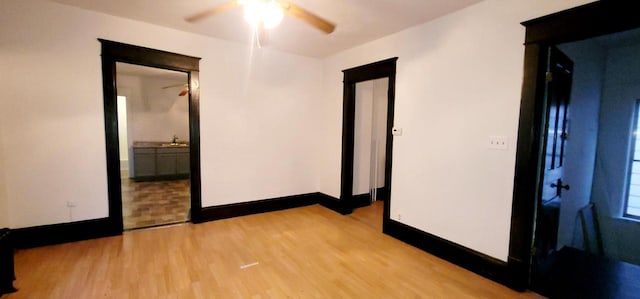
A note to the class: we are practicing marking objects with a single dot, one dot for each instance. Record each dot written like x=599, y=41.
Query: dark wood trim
x=63, y=232
x=371, y=71
x=361, y=200
x=333, y=204
x=376, y=70
x=582, y=22
x=7, y=265
x=35, y=236
x=528, y=159
x=194, y=149
x=590, y=20
x=149, y=57
x=257, y=206
x=464, y=257
x=113, y=52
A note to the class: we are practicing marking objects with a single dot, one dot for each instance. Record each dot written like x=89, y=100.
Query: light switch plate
x=498, y=142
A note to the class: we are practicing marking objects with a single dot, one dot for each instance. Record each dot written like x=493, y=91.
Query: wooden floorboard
x=308, y=252
x=370, y=215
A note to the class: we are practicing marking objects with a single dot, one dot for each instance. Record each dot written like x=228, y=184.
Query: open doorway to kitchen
x=158, y=162
x=153, y=136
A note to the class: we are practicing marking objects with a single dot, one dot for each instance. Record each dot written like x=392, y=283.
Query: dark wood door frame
x=377, y=70
x=113, y=52
x=591, y=20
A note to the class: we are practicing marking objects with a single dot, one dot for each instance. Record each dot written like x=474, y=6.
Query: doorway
x=594, y=217
x=591, y=20
x=370, y=130
x=369, y=96
x=558, y=82
x=153, y=132
x=167, y=164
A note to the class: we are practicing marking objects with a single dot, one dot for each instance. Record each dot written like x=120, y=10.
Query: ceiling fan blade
x=308, y=17
x=174, y=85
x=212, y=11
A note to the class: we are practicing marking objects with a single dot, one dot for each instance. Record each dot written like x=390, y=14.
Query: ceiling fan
x=266, y=14
x=184, y=90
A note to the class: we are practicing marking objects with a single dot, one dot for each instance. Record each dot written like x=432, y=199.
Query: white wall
x=621, y=237
x=370, y=126
x=258, y=113
x=4, y=203
x=580, y=147
x=265, y=132
x=123, y=136
x=380, y=105
x=155, y=114
x=459, y=81
x=362, y=137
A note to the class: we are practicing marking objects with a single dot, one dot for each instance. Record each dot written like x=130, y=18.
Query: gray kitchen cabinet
x=183, y=163
x=166, y=164
x=157, y=163
x=144, y=162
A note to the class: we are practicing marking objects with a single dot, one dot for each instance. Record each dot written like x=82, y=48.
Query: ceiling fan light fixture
x=259, y=12
x=272, y=15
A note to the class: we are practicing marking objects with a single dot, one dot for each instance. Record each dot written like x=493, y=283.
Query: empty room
x=318, y=149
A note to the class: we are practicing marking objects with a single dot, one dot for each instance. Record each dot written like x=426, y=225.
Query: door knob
x=565, y=187
x=559, y=186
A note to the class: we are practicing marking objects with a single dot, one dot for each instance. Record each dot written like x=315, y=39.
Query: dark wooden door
x=557, y=95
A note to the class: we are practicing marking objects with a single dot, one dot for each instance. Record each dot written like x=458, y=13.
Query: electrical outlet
x=71, y=204
x=498, y=142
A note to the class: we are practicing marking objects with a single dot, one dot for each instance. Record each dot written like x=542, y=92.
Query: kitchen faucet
x=175, y=139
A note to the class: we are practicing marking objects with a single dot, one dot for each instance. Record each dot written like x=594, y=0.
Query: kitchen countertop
x=154, y=144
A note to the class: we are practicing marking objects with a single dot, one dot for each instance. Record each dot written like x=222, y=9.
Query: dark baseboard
x=464, y=257
x=7, y=273
x=35, y=236
x=333, y=204
x=382, y=194
x=361, y=200
x=256, y=207
x=62, y=233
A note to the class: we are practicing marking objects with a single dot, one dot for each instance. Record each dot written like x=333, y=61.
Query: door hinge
x=549, y=76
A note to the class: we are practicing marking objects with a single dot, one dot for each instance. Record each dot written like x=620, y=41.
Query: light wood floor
x=370, y=216
x=308, y=252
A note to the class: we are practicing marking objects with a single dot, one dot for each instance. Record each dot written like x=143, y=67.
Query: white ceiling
x=358, y=21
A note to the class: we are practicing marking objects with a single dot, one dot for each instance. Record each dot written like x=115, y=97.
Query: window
x=632, y=204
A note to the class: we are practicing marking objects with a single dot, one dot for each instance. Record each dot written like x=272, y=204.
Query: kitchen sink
x=174, y=144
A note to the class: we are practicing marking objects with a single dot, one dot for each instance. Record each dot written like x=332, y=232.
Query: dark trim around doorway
x=113, y=52
x=590, y=20
x=377, y=70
